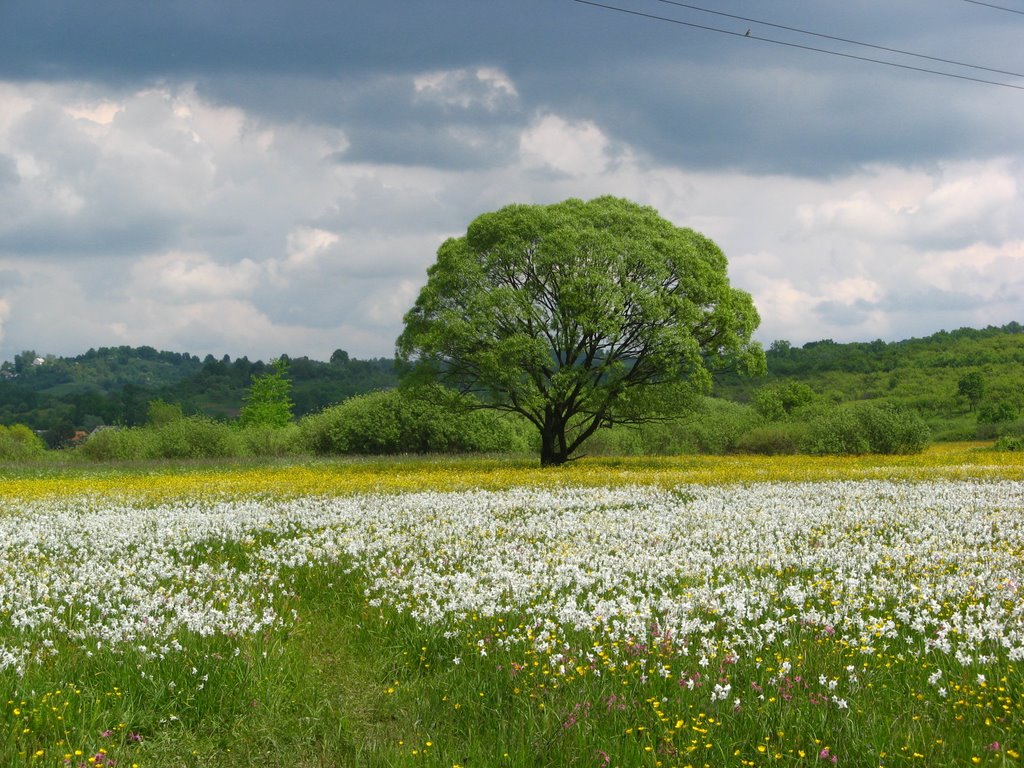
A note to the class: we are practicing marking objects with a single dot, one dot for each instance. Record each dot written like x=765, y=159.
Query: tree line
x=60, y=396
x=578, y=322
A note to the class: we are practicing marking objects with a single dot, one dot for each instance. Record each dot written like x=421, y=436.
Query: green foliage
x=996, y=411
x=719, y=426
x=998, y=429
x=159, y=413
x=971, y=387
x=268, y=401
x=115, y=386
x=268, y=440
x=892, y=430
x=114, y=444
x=1007, y=443
x=112, y=386
x=775, y=439
x=192, y=437
x=60, y=435
x=777, y=401
x=714, y=427
x=922, y=374
x=579, y=315
x=396, y=421
x=863, y=428
x=18, y=443
x=832, y=430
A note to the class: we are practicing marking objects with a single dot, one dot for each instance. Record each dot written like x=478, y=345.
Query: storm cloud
x=257, y=178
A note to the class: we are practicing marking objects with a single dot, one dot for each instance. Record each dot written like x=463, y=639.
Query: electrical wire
x=844, y=39
x=750, y=36
x=997, y=7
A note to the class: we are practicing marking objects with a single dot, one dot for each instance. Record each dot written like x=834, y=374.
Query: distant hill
x=114, y=385
x=922, y=373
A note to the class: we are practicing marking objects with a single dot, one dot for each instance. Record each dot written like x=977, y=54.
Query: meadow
x=684, y=611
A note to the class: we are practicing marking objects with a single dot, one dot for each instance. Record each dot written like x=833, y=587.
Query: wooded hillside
x=921, y=373
x=114, y=385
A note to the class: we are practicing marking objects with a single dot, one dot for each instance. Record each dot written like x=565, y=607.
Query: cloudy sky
x=257, y=177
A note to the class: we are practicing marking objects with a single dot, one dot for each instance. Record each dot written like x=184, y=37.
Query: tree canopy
x=578, y=315
x=268, y=400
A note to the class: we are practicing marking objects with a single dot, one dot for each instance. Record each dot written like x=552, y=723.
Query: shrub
x=863, y=428
x=892, y=430
x=719, y=426
x=18, y=443
x=1007, y=443
x=395, y=421
x=267, y=440
x=776, y=401
x=996, y=412
x=113, y=444
x=953, y=429
x=159, y=413
x=617, y=441
x=194, y=437
x=774, y=439
x=833, y=431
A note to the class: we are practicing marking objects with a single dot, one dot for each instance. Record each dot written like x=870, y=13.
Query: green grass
x=348, y=684
x=352, y=686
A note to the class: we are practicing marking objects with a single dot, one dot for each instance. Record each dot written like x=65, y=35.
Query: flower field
x=615, y=614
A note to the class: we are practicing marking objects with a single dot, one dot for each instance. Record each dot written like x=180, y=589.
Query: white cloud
x=852, y=289
x=178, y=277
x=948, y=205
x=577, y=148
x=387, y=307
x=486, y=87
x=160, y=217
x=306, y=245
x=979, y=267
x=101, y=112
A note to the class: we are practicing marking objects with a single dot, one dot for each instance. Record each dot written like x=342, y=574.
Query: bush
x=618, y=441
x=864, y=428
x=955, y=429
x=833, y=431
x=18, y=443
x=194, y=437
x=776, y=401
x=718, y=427
x=996, y=412
x=113, y=444
x=159, y=413
x=892, y=430
x=395, y=421
x=267, y=440
x=774, y=439
x=1008, y=443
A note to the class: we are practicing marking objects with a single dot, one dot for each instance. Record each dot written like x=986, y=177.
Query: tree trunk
x=552, y=442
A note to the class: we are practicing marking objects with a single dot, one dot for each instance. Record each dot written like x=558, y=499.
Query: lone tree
x=579, y=315
x=972, y=387
x=268, y=401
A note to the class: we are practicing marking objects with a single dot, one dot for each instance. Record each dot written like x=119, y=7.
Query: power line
x=997, y=7
x=749, y=36
x=844, y=39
